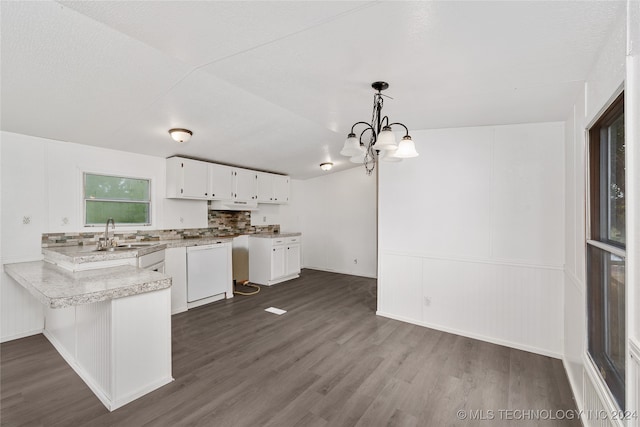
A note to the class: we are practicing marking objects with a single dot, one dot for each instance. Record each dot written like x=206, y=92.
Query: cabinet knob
x=213, y=195
x=205, y=194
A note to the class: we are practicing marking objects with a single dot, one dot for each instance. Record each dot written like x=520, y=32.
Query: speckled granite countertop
x=84, y=254
x=275, y=235
x=56, y=287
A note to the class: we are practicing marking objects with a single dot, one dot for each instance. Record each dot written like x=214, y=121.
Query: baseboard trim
x=21, y=335
x=339, y=272
x=119, y=403
x=480, y=337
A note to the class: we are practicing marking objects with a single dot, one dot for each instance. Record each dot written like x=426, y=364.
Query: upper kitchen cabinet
x=244, y=184
x=220, y=182
x=196, y=179
x=273, y=188
x=187, y=179
x=281, y=188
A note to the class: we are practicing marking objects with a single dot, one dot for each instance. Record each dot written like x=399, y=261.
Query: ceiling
x=276, y=86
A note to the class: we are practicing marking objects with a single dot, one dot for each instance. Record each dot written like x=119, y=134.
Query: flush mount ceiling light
x=180, y=135
x=326, y=166
x=377, y=139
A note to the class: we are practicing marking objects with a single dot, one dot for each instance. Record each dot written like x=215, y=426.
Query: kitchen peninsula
x=111, y=323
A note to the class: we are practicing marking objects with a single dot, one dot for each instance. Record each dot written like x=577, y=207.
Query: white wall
x=471, y=234
x=632, y=111
x=23, y=195
x=42, y=181
x=290, y=215
x=339, y=222
x=609, y=74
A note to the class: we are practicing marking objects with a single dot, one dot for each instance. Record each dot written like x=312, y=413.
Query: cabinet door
x=245, y=184
x=220, y=182
x=281, y=188
x=293, y=259
x=265, y=187
x=194, y=179
x=278, y=260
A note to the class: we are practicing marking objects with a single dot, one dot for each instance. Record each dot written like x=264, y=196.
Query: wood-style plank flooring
x=329, y=361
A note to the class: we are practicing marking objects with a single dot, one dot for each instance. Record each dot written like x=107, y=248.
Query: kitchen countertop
x=85, y=254
x=56, y=287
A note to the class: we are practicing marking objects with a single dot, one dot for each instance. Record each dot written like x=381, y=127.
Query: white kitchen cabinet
x=281, y=188
x=273, y=188
x=265, y=187
x=278, y=262
x=187, y=178
x=292, y=264
x=274, y=259
x=175, y=265
x=244, y=184
x=220, y=182
x=200, y=180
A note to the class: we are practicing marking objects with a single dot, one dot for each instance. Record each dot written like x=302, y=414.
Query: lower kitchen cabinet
x=274, y=259
x=175, y=265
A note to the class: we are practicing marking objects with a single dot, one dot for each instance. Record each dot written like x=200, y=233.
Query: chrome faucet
x=107, y=241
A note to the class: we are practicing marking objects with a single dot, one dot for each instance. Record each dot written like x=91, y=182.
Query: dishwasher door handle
x=203, y=247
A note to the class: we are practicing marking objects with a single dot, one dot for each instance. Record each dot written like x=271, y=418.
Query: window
x=126, y=200
x=606, y=249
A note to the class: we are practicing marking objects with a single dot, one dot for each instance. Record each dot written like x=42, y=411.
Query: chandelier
x=377, y=141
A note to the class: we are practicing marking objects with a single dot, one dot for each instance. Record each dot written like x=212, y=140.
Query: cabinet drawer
x=278, y=241
x=295, y=239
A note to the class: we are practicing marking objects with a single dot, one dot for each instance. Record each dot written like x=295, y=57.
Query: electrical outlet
x=427, y=301
x=26, y=219
x=264, y=219
x=181, y=220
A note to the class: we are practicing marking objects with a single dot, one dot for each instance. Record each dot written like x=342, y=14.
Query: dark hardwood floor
x=329, y=361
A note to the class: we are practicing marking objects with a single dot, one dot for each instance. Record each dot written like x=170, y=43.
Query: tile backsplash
x=221, y=224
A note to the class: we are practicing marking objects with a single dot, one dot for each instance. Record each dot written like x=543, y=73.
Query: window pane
x=614, y=307
x=606, y=300
x=615, y=203
x=122, y=213
x=115, y=188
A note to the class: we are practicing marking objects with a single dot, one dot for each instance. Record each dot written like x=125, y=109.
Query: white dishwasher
x=208, y=273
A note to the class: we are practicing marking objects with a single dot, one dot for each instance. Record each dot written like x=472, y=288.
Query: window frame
x=122, y=224
x=596, y=304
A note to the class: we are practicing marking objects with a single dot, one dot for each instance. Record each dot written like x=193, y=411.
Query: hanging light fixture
x=377, y=140
x=180, y=135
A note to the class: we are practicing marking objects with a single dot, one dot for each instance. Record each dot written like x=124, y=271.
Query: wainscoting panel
x=94, y=342
x=594, y=411
x=509, y=304
x=21, y=314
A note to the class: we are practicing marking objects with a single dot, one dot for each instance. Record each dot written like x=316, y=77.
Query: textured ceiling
x=276, y=85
